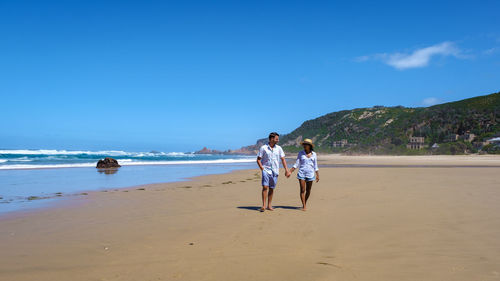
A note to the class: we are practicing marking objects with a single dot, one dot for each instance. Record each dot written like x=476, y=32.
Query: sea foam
x=88, y=152
x=126, y=162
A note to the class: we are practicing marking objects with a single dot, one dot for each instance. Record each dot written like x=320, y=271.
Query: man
x=268, y=161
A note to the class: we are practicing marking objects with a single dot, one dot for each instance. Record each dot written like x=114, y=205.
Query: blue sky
x=177, y=76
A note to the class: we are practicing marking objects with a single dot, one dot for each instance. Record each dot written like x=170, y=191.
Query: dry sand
x=363, y=223
x=436, y=160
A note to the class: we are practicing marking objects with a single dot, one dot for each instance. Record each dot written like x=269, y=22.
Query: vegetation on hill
x=387, y=130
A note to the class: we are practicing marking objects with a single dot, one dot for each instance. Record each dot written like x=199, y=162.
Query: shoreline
x=325, y=161
x=290, y=156
x=150, y=163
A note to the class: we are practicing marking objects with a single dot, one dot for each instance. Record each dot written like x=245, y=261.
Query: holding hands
x=289, y=173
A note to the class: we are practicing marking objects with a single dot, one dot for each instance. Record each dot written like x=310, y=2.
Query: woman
x=307, y=163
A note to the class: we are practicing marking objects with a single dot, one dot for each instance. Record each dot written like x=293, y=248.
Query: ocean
x=37, y=178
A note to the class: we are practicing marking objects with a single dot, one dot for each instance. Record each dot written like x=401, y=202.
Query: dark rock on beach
x=107, y=163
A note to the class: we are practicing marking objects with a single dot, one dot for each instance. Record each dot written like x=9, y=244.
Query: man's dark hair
x=273, y=134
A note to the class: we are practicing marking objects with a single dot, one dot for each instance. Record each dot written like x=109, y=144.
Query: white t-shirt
x=270, y=158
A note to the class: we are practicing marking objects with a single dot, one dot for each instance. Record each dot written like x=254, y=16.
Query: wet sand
x=388, y=223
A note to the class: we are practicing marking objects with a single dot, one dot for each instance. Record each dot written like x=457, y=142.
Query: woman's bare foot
x=262, y=209
x=304, y=209
x=270, y=208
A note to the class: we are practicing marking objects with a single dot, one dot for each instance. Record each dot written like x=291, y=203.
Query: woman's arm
x=316, y=169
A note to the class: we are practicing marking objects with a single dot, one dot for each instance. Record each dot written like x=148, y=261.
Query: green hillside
x=386, y=130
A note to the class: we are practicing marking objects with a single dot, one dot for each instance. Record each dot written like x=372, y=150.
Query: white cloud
x=418, y=58
x=430, y=101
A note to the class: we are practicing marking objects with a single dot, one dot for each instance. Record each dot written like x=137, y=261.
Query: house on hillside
x=416, y=143
x=467, y=137
x=451, y=138
x=340, y=143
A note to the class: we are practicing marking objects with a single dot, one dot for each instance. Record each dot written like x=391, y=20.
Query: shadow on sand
x=257, y=208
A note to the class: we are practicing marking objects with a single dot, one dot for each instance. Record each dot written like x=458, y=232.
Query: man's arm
x=259, y=158
x=287, y=172
x=260, y=163
x=283, y=161
x=296, y=165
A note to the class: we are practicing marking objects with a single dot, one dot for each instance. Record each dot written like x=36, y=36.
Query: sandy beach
x=431, y=221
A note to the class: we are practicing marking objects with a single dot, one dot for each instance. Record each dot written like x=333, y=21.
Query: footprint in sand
x=329, y=264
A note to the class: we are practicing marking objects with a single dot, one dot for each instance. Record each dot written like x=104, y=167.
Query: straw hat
x=307, y=141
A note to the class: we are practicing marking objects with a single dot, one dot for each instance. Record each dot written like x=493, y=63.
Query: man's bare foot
x=304, y=209
x=270, y=208
x=262, y=209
